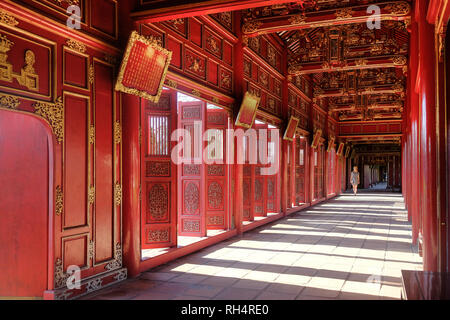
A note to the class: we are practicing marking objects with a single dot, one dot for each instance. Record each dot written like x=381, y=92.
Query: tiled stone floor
x=351, y=247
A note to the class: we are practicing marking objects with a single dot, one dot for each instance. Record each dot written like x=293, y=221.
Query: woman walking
x=354, y=179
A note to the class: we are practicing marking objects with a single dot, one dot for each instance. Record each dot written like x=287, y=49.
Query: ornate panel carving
x=195, y=64
x=216, y=220
x=215, y=195
x=191, y=198
x=158, y=235
x=191, y=225
x=191, y=169
x=216, y=170
x=192, y=113
x=158, y=202
x=258, y=190
x=158, y=169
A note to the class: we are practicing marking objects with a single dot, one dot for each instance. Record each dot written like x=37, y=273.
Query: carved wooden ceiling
x=360, y=71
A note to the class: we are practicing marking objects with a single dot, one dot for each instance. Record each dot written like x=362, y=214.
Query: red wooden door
x=249, y=189
x=300, y=170
x=216, y=170
x=191, y=204
x=272, y=186
x=159, y=173
x=260, y=181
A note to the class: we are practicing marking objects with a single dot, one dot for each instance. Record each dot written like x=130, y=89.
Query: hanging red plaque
x=347, y=152
x=340, y=149
x=247, y=112
x=291, y=128
x=330, y=143
x=144, y=68
x=316, y=138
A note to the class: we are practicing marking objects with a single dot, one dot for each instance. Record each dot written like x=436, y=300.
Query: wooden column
x=239, y=94
x=428, y=187
x=131, y=184
x=285, y=197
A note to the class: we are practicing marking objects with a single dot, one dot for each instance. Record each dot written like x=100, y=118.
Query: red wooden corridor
x=346, y=248
x=140, y=138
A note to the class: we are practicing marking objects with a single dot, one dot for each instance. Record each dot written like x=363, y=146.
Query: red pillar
x=427, y=133
x=131, y=181
x=413, y=129
x=238, y=89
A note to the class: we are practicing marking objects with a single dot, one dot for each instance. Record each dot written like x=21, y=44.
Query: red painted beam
x=398, y=61
x=183, y=9
x=398, y=11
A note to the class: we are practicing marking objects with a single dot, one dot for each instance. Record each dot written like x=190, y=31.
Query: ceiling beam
x=380, y=89
x=392, y=61
x=170, y=9
x=393, y=11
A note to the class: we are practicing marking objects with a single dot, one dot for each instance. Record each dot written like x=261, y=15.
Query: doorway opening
x=183, y=202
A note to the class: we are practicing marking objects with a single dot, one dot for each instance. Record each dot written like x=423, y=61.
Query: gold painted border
x=120, y=87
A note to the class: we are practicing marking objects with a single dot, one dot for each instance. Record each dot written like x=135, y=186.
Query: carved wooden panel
x=159, y=174
x=158, y=202
x=191, y=179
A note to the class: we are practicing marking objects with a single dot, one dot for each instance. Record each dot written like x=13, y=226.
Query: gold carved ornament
x=27, y=76
x=6, y=18
x=76, y=45
x=91, y=195
x=59, y=201
x=9, y=102
x=298, y=19
x=251, y=26
x=54, y=114
x=117, y=262
x=398, y=9
x=118, y=194
x=117, y=132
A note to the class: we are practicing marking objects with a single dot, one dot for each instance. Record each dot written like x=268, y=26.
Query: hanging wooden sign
x=340, y=149
x=247, y=112
x=291, y=128
x=144, y=68
x=347, y=152
x=316, y=138
x=330, y=144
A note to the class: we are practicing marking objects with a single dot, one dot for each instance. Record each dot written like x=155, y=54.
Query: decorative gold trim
x=60, y=277
x=9, y=102
x=6, y=18
x=117, y=132
x=251, y=26
x=196, y=93
x=117, y=262
x=91, y=74
x=171, y=83
x=91, y=195
x=398, y=9
x=92, y=134
x=76, y=45
x=118, y=194
x=298, y=19
x=54, y=114
x=399, y=60
x=344, y=13
x=91, y=247
x=156, y=44
x=59, y=201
